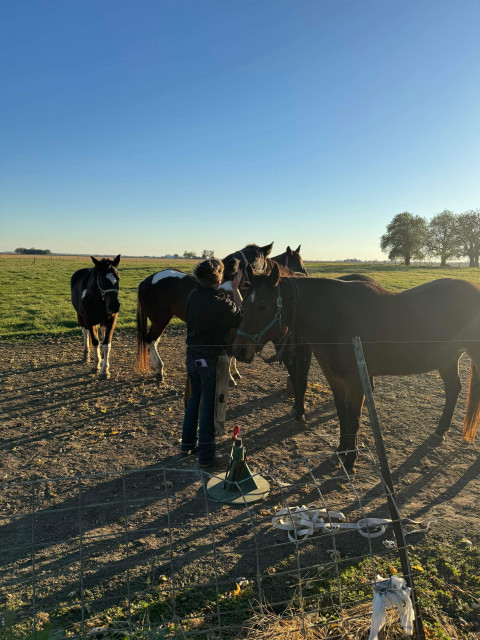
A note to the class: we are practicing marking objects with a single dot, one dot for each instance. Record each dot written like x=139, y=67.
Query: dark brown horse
x=94, y=295
x=163, y=295
x=414, y=331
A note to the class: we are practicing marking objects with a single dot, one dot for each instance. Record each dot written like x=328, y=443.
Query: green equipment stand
x=237, y=486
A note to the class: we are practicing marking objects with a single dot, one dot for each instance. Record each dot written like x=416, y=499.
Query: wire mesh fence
x=146, y=554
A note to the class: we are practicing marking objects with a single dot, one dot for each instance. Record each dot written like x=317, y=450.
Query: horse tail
x=142, y=345
x=473, y=405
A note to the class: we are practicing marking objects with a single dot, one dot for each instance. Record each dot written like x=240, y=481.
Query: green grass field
x=35, y=293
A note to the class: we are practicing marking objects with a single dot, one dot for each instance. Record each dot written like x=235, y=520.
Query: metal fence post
x=385, y=469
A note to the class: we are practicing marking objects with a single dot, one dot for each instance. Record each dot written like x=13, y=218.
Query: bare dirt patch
x=60, y=421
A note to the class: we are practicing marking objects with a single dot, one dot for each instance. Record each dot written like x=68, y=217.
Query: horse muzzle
x=112, y=303
x=244, y=352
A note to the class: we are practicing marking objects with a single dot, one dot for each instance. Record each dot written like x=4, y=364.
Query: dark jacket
x=210, y=317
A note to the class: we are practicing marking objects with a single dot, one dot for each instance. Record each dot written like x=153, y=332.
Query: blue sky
x=146, y=127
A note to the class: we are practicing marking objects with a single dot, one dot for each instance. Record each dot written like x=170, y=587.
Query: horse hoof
x=300, y=422
x=159, y=377
x=237, y=376
x=439, y=436
x=232, y=383
x=104, y=376
x=94, y=369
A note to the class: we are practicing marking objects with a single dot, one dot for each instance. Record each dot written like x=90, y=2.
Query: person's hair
x=209, y=272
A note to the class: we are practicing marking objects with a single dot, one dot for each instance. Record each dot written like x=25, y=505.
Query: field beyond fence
x=35, y=298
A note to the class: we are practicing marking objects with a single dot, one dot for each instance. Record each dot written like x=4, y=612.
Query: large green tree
x=468, y=235
x=406, y=237
x=442, y=239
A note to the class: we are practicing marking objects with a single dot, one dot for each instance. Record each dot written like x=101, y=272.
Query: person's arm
x=237, y=296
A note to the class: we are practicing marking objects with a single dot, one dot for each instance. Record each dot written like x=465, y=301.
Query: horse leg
x=348, y=396
x=153, y=337
x=106, y=346
x=86, y=345
x=453, y=386
x=234, y=372
x=353, y=408
x=96, y=348
x=299, y=377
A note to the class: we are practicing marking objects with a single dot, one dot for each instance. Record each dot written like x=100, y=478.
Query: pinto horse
x=94, y=295
x=164, y=295
x=414, y=331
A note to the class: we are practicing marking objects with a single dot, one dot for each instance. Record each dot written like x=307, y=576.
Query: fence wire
x=146, y=554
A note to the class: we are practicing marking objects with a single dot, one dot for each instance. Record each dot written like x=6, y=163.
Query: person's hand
x=237, y=279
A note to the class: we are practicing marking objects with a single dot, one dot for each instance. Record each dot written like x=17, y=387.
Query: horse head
x=290, y=259
x=294, y=261
x=251, y=255
x=104, y=281
x=262, y=315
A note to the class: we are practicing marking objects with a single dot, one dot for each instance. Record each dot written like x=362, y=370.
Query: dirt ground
x=60, y=421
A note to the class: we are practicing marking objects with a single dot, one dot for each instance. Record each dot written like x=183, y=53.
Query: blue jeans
x=203, y=382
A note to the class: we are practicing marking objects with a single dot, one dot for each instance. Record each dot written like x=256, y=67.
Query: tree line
x=33, y=251
x=446, y=236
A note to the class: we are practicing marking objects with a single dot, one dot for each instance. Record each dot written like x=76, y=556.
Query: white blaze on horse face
x=252, y=296
x=167, y=273
x=84, y=293
x=112, y=278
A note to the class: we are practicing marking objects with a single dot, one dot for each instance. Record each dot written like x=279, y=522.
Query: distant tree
x=405, y=238
x=189, y=254
x=207, y=253
x=468, y=235
x=33, y=251
x=442, y=239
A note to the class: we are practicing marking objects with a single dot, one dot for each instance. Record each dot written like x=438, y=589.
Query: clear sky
x=146, y=127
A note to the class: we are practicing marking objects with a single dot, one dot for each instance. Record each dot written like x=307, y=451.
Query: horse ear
x=297, y=250
x=274, y=277
x=289, y=251
x=95, y=261
x=116, y=261
x=267, y=249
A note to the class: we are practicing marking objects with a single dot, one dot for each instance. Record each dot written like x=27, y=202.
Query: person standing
x=210, y=317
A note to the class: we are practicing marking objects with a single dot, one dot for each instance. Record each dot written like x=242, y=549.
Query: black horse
x=414, y=331
x=95, y=299
x=163, y=295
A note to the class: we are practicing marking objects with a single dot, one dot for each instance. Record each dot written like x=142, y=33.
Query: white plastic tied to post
x=391, y=592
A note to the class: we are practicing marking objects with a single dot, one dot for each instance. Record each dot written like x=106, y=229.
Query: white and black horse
x=95, y=299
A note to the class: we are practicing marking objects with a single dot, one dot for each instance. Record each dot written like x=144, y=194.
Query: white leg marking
x=86, y=345
x=156, y=362
x=233, y=368
x=105, y=371
x=96, y=358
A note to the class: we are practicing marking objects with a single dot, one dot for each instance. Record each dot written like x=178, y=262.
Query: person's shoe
x=216, y=461
x=188, y=452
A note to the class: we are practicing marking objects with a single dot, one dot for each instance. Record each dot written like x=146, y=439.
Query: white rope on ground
x=391, y=592
x=305, y=521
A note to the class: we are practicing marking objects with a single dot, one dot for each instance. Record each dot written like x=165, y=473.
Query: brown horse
x=94, y=294
x=163, y=295
x=418, y=330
